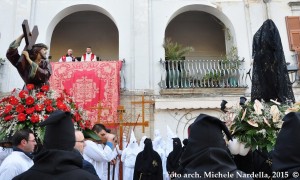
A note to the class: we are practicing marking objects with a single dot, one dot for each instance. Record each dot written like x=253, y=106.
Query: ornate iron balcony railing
x=202, y=74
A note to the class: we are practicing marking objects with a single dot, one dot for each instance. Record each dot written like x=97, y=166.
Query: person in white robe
x=124, y=145
x=20, y=160
x=158, y=145
x=4, y=152
x=100, y=154
x=128, y=157
x=118, y=159
x=68, y=57
x=158, y=135
x=88, y=56
x=169, y=141
x=142, y=145
x=124, y=141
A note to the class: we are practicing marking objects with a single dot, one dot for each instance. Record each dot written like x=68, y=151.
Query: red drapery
x=89, y=83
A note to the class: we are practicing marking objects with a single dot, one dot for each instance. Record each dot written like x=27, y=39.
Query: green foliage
x=256, y=124
x=212, y=76
x=175, y=51
x=231, y=60
x=26, y=109
x=90, y=134
x=232, y=55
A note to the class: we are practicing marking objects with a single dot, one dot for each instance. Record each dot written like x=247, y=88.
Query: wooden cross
x=30, y=37
x=99, y=109
x=121, y=124
x=143, y=102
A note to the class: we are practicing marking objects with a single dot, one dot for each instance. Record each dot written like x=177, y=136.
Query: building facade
x=135, y=31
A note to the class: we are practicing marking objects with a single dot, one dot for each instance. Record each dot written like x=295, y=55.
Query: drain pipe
x=248, y=26
x=32, y=12
x=267, y=9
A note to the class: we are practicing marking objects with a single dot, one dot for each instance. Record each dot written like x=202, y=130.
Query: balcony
x=200, y=76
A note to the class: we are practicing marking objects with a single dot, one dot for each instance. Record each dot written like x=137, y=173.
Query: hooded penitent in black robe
x=206, y=151
x=270, y=78
x=286, y=156
x=256, y=162
x=58, y=165
x=174, y=156
x=57, y=160
x=148, y=165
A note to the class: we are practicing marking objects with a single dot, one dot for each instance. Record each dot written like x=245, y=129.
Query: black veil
x=270, y=78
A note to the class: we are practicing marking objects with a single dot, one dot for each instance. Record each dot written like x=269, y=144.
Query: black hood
x=206, y=131
x=174, y=156
x=60, y=132
x=57, y=161
x=286, y=156
x=206, y=148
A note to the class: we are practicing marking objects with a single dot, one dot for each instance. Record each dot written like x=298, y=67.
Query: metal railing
x=178, y=74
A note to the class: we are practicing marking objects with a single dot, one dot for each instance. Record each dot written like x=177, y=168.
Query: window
x=293, y=30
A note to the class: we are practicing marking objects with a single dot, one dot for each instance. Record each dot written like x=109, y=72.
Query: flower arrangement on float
x=25, y=109
x=256, y=125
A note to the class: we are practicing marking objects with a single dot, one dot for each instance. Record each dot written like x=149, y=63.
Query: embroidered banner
x=88, y=83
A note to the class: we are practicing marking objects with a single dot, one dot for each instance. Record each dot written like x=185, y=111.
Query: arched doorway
x=82, y=29
x=201, y=30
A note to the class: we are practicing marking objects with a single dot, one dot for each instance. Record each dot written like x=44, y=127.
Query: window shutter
x=293, y=30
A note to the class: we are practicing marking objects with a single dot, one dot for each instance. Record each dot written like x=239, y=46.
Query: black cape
x=148, y=165
x=206, y=151
x=58, y=165
x=256, y=162
x=270, y=79
x=174, y=156
x=286, y=156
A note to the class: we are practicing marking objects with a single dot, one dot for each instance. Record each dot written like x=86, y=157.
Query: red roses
x=34, y=118
x=29, y=100
x=30, y=87
x=20, y=108
x=24, y=109
x=22, y=117
x=23, y=94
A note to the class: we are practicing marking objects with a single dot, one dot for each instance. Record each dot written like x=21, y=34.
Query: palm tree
x=175, y=51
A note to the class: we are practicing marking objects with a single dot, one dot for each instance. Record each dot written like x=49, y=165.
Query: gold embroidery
x=154, y=163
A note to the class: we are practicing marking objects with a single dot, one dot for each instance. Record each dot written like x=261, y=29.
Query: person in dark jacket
x=57, y=159
x=78, y=148
x=148, y=165
x=286, y=156
x=206, y=153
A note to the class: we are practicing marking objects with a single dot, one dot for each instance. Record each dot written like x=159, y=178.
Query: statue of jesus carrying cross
x=32, y=64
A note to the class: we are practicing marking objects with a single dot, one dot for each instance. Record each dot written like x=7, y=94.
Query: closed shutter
x=293, y=30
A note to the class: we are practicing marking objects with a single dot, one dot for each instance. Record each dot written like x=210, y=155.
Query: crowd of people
x=87, y=56
x=67, y=153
